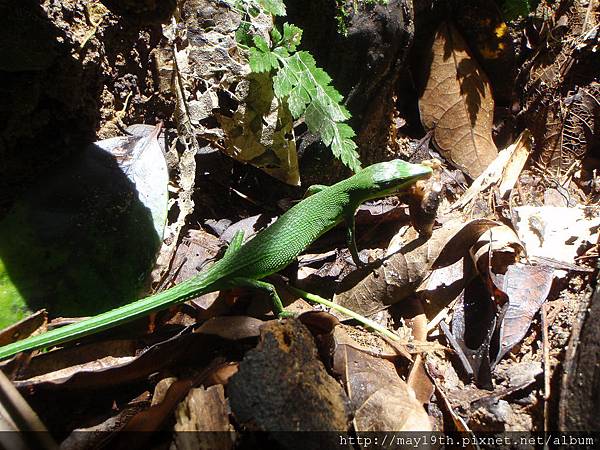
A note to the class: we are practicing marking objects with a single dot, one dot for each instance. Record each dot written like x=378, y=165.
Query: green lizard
x=244, y=265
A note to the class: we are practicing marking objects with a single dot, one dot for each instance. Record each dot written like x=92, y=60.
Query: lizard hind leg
x=264, y=286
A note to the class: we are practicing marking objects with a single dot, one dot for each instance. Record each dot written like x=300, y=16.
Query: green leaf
x=309, y=92
x=346, y=151
x=281, y=52
x=276, y=35
x=284, y=82
x=261, y=62
x=297, y=101
x=322, y=77
x=317, y=122
x=243, y=35
x=77, y=248
x=292, y=35
x=261, y=44
x=274, y=7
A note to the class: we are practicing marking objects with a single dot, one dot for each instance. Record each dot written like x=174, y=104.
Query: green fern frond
x=307, y=90
x=297, y=80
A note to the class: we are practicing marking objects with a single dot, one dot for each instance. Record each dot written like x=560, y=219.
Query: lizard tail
x=191, y=288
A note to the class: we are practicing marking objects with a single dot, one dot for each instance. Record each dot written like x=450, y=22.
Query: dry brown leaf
x=232, y=327
x=108, y=363
x=496, y=249
x=457, y=104
x=367, y=342
x=24, y=328
x=203, y=410
x=382, y=400
x=369, y=290
x=449, y=272
x=503, y=172
x=160, y=390
x=527, y=288
x=408, y=265
x=418, y=379
x=153, y=418
x=558, y=233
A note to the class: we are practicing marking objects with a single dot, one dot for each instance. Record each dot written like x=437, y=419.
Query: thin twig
x=546, y=356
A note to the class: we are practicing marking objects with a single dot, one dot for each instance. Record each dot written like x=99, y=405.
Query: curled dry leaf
x=381, y=400
x=152, y=419
x=496, y=249
x=502, y=172
x=450, y=271
x=408, y=265
x=161, y=389
x=479, y=325
x=457, y=104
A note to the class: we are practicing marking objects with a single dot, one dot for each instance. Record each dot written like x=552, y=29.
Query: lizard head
x=388, y=178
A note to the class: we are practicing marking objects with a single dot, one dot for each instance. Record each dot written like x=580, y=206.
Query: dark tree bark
x=365, y=63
